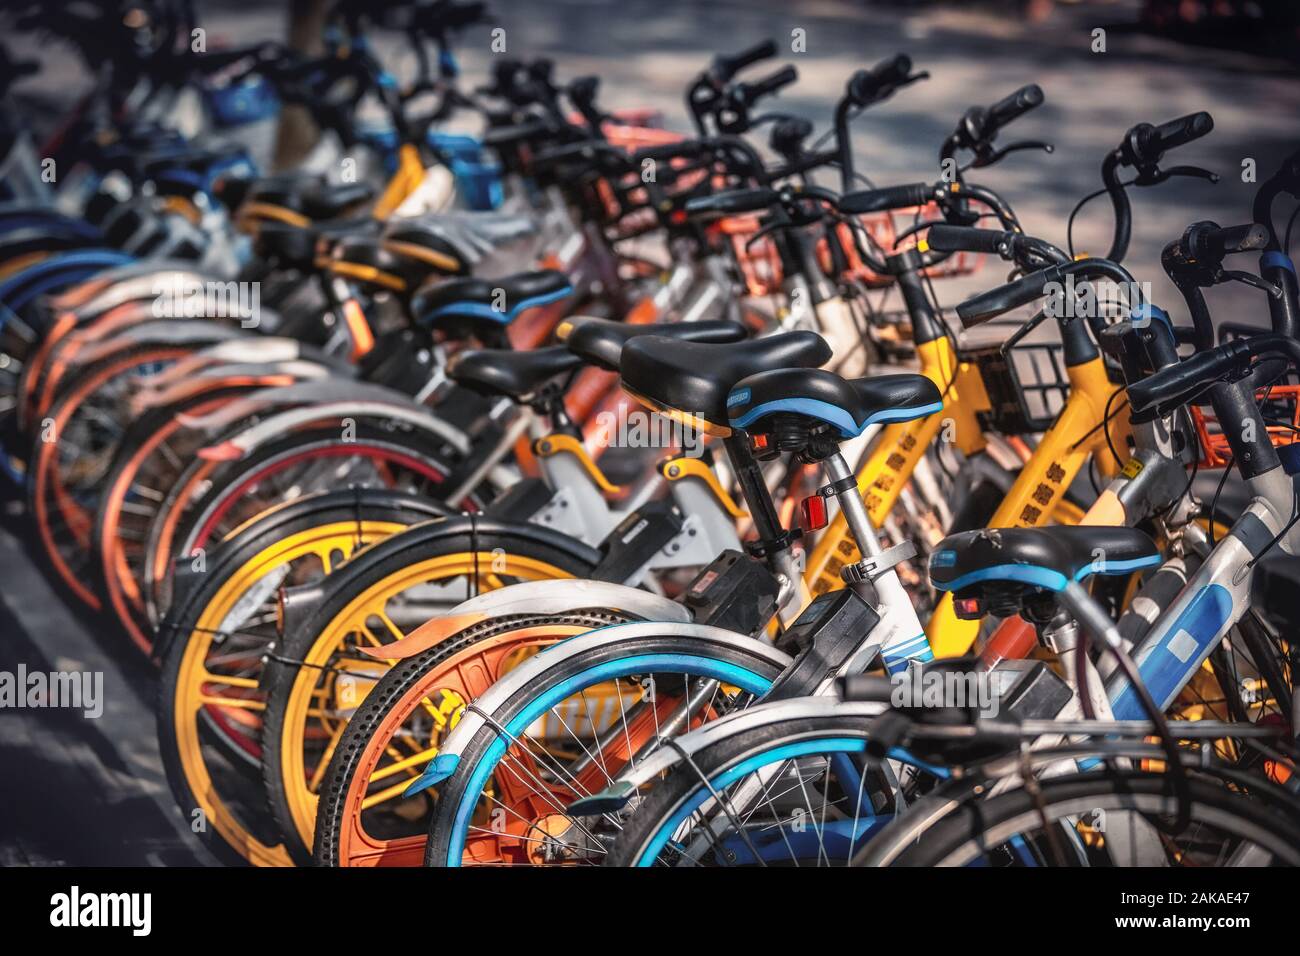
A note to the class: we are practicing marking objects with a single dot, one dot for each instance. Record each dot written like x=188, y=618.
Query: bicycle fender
x=533, y=597
x=476, y=718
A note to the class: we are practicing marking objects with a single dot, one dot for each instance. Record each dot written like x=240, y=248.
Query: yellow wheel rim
x=194, y=681
x=308, y=700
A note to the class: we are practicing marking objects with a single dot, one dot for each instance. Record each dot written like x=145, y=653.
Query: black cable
x=947, y=329
x=1278, y=423
x=1295, y=516
x=1102, y=424
x=1214, y=502
x=1196, y=467
x=1286, y=243
x=1078, y=207
x=1105, y=425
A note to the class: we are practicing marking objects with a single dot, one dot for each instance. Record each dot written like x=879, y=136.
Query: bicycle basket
x=883, y=230
x=1280, y=406
x=760, y=263
x=1026, y=382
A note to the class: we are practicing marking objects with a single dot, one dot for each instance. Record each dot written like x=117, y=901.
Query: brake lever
x=1154, y=175
x=1272, y=290
x=908, y=81
x=984, y=157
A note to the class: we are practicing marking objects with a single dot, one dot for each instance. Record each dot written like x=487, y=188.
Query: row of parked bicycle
x=588, y=493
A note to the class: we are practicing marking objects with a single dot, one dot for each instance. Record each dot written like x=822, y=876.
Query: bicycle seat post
x=887, y=587
x=1086, y=612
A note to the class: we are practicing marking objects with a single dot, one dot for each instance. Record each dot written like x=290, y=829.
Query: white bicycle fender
x=444, y=764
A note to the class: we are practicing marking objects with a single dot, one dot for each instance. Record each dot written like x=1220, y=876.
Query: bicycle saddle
x=495, y=301
x=1046, y=558
x=601, y=341
x=693, y=379
x=28, y=242
x=397, y=261
x=295, y=247
x=849, y=405
x=317, y=201
x=510, y=373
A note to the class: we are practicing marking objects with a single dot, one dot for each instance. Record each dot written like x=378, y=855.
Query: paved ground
x=75, y=790
x=83, y=791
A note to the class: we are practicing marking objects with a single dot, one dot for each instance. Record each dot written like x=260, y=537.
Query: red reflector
x=678, y=217
x=814, y=512
x=967, y=609
x=760, y=441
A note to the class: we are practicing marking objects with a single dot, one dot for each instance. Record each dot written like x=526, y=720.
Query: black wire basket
x=1026, y=382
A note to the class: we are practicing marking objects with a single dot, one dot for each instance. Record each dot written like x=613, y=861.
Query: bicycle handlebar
x=865, y=86
x=1166, y=389
x=1218, y=242
x=733, y=202
x=751, y=92
x=1142, y=148
x=1011, y=107
x=944, y=237
x=1145, y=144
x=985, y=306
x=891, y=197
x=726, y=67
x=989, y=305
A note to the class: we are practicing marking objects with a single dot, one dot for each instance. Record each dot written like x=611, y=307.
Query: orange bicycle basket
x=1280, y=405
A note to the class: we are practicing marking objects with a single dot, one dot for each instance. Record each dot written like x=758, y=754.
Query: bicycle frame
x=1215, y=598
x=1079, y=433
x=1035, y=496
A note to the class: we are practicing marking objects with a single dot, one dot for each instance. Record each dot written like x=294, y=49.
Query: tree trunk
x=297, y=133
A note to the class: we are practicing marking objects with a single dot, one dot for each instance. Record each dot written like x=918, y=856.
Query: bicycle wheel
x=793, y=793
x=209, y=705
x=151, y=457
x=212, y=498
x=72, y=454
x=383, y=594
x=1062, y=822
x=363, y=817
x=570, y=730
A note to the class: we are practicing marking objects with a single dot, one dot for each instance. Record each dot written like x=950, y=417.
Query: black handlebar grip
x=947, y=238
x=1231, y=239
x=728, y=66
x=582, y=91
x=1149, y=142
x=1182, y=131
x=782, y=77
x=1017, y=104
x=1179, y=381
x=989, y=305
x=865, y=85
x=732, y=202
x=881, y=200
